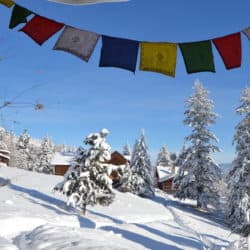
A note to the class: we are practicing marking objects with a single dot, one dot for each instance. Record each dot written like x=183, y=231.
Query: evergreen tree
x=126, y=150
x=163, y=158
x=239, y=177
x=141, y=181
x=198, y=176
x=22, y=150
x=45, y=156
x=87, y=181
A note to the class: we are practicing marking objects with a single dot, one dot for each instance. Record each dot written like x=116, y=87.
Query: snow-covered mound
x=32, y=218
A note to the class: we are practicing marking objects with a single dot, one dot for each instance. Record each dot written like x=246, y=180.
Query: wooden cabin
x=4, y=156
x=61, y=162
x=165, y=177
x=117, y=160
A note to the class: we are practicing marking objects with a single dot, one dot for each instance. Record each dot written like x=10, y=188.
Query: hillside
x=32, y=217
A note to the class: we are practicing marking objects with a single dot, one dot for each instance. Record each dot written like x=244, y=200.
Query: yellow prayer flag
x=159, y=57
x=7, y=3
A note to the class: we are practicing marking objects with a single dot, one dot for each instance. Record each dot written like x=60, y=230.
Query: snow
x=32, y=218
x=62, y=158
x=165, y=173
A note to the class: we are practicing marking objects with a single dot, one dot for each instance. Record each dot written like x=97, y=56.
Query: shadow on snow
x=56, y=205
x=143, y=240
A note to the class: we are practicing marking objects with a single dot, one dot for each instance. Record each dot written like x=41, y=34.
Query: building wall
x=4, y=160
x=117, y=159
x=61, y=169
x=167, y=186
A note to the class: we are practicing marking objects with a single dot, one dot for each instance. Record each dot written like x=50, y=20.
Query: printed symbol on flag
x=76, y=39
x=160, y=57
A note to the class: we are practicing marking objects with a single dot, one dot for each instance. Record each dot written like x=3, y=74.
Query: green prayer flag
x=198, y=56
x=19, y=15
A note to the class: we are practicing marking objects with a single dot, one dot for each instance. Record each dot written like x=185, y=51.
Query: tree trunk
x=199, y=202
x=84, y=210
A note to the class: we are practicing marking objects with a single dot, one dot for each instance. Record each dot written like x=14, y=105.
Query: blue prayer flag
x=119, y=52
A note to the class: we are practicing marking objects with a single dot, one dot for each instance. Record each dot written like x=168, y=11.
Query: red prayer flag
x=40, y=29
x=229, y=48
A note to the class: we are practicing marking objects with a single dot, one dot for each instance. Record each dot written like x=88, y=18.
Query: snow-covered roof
x=4, y=151
x=127, y=157
x=165, y=173
x=62, y=158
x=4, y=156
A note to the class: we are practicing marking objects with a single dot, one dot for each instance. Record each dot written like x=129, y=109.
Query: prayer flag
x=78, y=42
x=40, y=29
x=18, y=16
x=119, y=52
x=246, y=32
x=198, y=56
x=7, y=3
x=229, y=48
x=159, y=57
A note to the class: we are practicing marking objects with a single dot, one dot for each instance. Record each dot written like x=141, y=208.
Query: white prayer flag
x=246, y=32
x=84, y=2
x=77, y=42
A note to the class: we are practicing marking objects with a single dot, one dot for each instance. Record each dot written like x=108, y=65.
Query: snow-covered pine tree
x=141, y=179
x=87, y=181
x=126, y=150
x=22, y=150
x=239, y=177
x=45, y=156
x=163, y=158
x=198, y=176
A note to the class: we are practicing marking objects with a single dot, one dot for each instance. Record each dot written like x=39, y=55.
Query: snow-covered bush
x=87, y=181
x=198, y=175
x=239, y=177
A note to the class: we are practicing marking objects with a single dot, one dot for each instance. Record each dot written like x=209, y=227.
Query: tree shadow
x=215, y=238
x=215, y=219
x=4, y=182
x=190, y=241
x=142, y=240
x=116, y=221
x=56, y=205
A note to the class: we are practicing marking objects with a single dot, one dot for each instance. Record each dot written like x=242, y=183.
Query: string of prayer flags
x=77, y=42
x=19, y=15
x=119, y=52
x=7, y=3
x=198, y=56
x=246, y=32
x=229, y=48
x=40, y=29
x=158, y=57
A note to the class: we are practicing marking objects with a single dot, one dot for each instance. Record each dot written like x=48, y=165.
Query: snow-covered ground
x=32, y=218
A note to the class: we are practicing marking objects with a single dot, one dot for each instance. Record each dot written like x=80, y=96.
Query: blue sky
x=80, y=97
